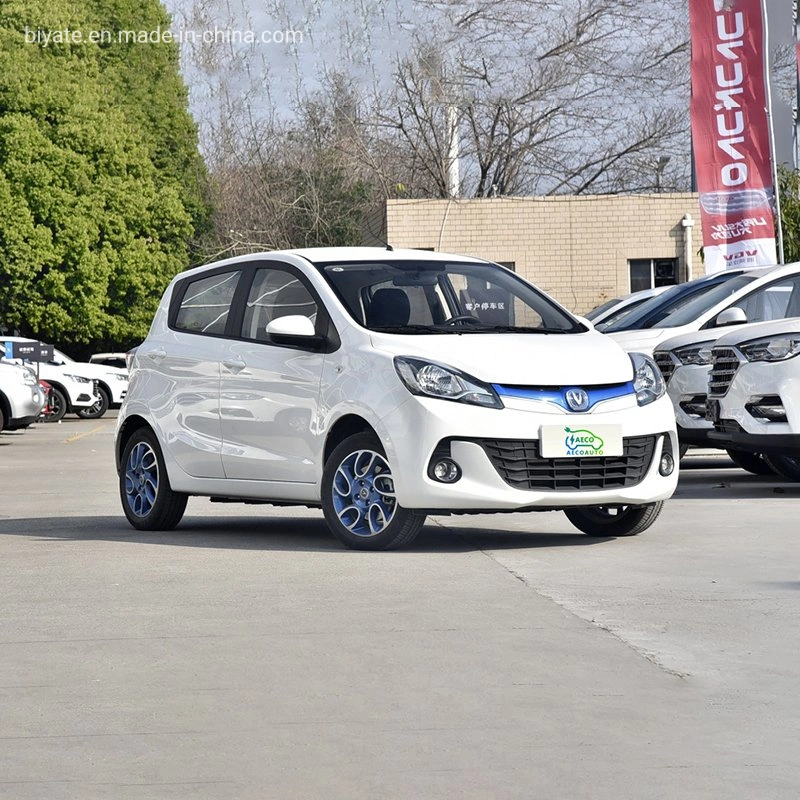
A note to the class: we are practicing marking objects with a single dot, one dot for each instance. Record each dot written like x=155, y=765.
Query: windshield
x=652, y=313
x=418, y=297
x=700, y=304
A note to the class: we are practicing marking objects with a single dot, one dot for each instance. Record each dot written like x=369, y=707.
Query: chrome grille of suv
x=724, y=365
x=665, y=364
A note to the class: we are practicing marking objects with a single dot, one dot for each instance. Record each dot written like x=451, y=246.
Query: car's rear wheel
x=787, y=466
x=358, y=498
x=751, y=462
x=147, y=498
x=56, y=405
x=99, y=408
x=614, y=520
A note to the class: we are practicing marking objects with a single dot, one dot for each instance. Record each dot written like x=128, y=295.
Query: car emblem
x=577, y=399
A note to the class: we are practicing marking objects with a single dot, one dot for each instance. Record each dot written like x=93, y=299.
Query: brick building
x=582, y=250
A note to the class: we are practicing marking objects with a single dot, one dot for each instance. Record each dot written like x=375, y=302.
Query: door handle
x=234, y=364
x=157, y=355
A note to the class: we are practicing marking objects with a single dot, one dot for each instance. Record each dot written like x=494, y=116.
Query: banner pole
x=768, y=88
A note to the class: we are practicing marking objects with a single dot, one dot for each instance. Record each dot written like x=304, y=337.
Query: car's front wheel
x=614, y=520
x=358, y=498
x=56, y=405
x=751, y=462
x=787, y=466
x=99, y=408
x=147, y=498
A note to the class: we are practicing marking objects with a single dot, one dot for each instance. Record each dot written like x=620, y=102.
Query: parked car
x=618, y=307
x=109, y=360
x=109, y=383
x=21, y=397
x=69, y=392
x=758, y=295
x=385, y=385
x=650, y=313
x=753, y=399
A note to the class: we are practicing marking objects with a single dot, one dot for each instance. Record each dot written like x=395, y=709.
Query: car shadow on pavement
x=277, y=533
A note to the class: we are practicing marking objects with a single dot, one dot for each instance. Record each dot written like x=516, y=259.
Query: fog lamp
x=667, y=464
x=446, y=471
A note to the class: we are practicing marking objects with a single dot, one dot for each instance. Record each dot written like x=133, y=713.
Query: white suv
x=21, y=397
x=384, y=385
x=754, y=396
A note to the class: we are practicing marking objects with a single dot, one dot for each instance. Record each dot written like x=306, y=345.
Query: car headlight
x=771, y=348
x=697, y=354
x=647, y=381
x=120, y=377
x=437, y=380
x=77, y=378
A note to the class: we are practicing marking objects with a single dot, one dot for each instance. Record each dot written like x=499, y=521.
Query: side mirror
x=730, y=316
x=293, y=325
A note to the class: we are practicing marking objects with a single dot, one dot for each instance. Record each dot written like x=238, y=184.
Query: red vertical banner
x=730, y=133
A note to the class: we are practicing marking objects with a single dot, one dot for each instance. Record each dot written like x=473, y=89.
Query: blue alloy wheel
x=141, y=479
x=148, y=500
x=363, y=493
x=359, y=497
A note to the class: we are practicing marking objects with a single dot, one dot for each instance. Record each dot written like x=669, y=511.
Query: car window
x=419, y=296
x=275, y=293
x=777, y=301
x=700, y=304
x=206, y=303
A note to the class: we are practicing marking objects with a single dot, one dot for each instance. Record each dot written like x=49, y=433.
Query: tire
x=2, y=418
x=56, y=405
x=147, y=498
x=751, y=462
x=786, y=466
x=614, y=521
x=358, y=498
x=99, y=408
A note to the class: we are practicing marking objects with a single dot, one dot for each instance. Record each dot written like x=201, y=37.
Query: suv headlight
x=77, y=378
x=437, y=380
x=697, y=354
x=647, y=381
x=771, y=348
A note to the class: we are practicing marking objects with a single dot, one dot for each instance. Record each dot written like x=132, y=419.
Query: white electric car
x=385, y=385
x=21, y=397
x=754, y=393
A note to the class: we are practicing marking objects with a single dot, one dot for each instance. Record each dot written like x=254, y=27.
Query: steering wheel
x=462, y=318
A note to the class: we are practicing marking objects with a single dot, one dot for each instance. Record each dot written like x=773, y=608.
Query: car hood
x=88, y=370
x=644, y=340
x=687, y=339
x=758, y=330
x=580, y=359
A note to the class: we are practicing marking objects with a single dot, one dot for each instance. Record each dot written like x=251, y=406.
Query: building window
x=512, y=265
x=647, y=273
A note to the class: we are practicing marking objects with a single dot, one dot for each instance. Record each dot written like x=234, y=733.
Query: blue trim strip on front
x=559, y=396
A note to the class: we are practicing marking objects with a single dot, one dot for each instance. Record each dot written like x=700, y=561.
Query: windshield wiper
x=509, y=329
x=409, y=329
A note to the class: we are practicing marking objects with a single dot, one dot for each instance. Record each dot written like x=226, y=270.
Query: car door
x=777, y=300
x=270, y=390
x=182, y=365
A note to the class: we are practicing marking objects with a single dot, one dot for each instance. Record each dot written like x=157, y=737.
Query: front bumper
x=734, y=415
x=413, y=431
x=688, y=390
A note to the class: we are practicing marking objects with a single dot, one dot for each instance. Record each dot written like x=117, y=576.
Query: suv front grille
x=724, y=365
x=665, y=364
x=519, y=464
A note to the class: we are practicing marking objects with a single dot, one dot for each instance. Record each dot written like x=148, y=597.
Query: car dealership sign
x=730, y=133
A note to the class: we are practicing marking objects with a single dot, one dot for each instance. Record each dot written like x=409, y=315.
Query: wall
x=575, y=248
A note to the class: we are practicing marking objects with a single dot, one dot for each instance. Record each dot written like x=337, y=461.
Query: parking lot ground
x=246, y=655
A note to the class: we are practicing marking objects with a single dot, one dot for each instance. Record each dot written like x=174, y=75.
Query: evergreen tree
x=95, y=217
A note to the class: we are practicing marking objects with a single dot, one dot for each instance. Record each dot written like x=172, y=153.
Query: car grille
x=724, y=365
x=519, y=464
x=665, y=364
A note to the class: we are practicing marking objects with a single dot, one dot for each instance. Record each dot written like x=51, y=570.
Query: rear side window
x=206, y=303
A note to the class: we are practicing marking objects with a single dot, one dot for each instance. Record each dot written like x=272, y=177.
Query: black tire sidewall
x=631, y=522
x=90, y=413
x=62, y=408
